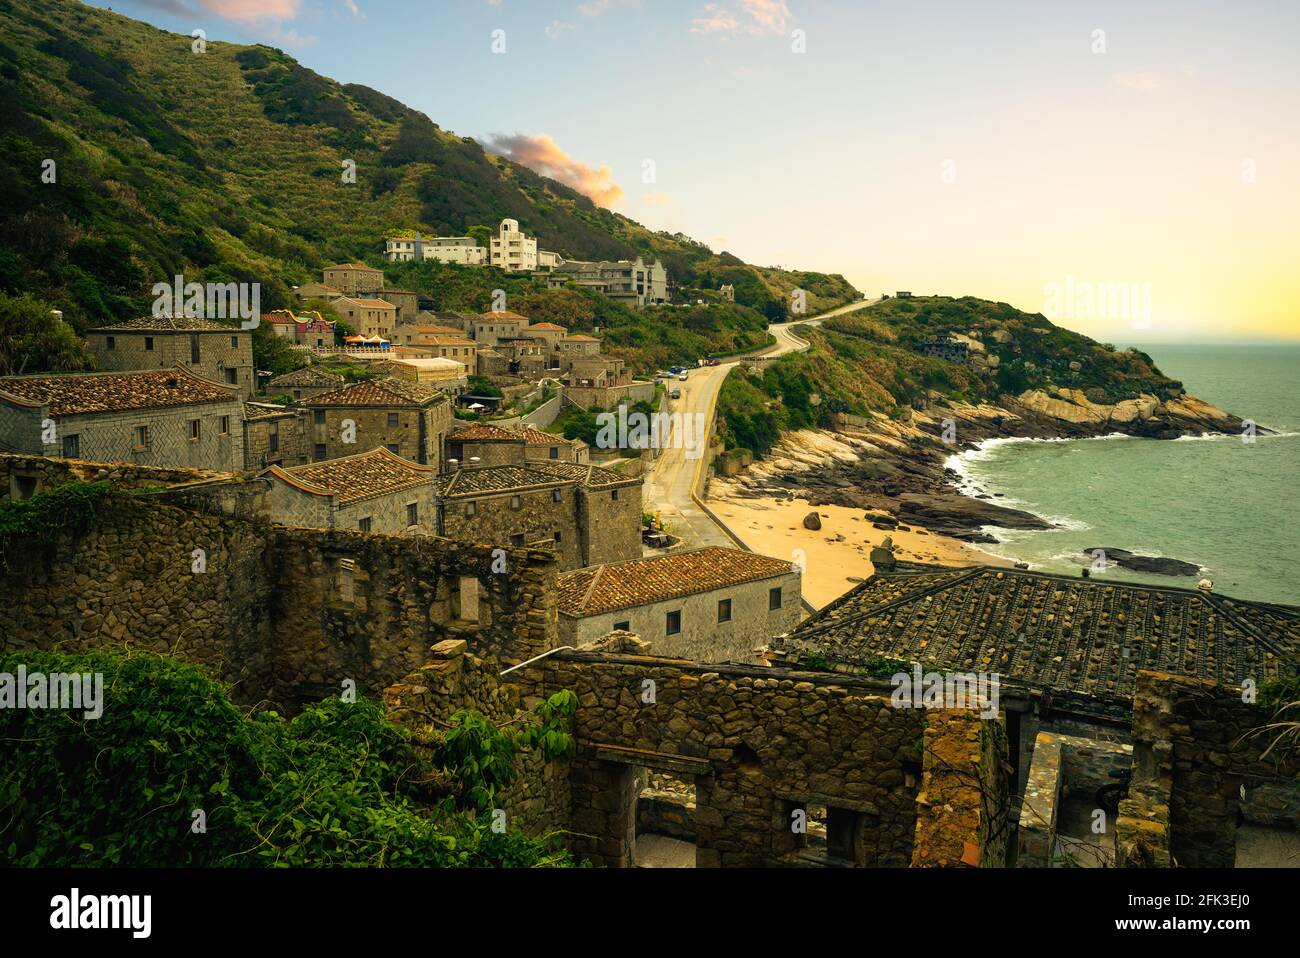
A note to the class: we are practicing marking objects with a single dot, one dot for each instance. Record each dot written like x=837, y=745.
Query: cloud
x=248, y=10
x=557, y=27
x=352, y=7
x=543, y=155
x=760, y=16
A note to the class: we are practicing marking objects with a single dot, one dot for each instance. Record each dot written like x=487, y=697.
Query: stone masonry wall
x=1192, y=755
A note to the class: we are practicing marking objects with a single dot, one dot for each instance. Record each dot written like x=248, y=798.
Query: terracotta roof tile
x=641, y=581
x=307, y=376
x=387, y=391
x=352, y=478
x=484, y=432
x=105, y=392
x=505, y=316
x=482, y=480
x=171, y=324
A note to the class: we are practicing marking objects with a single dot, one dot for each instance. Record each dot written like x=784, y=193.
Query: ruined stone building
x=217, y=351
x=166, y=417
x=373, y=491
x=304, y=383
x=274, y=436
x=709, y=605
x=585, y=514
x=408, y=419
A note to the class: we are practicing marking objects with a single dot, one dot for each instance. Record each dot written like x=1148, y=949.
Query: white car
x=682, y=377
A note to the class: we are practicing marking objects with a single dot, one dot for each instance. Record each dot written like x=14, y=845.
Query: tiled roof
x=253, y=411
x=505, y=315
x=374, y=303
x=484, y=432
x=387, y=391
x=307, y=376
x=481, y=480
x=1082, y=636
x=355, y=266
x=169, y=324
x=552, y=327
x=442, y=341
x=579, y=338
x=373, y=473
x=641, y=581
x=437, y=330
x=105, y=392
x=535, y=437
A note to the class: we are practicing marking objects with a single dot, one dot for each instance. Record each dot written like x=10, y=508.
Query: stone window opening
x=23, y=486
x=364, y=523
x=516, y=502
x=557, y=495
x=471, y=509
x=111, y=342
x=392, y=419
x=467, y=603
x=614, y=495
x=345, y=580
x=624, y=626
x=673, y=622
x=412, y=514
x=148, y=344
x=774, y=599
x=318, y=417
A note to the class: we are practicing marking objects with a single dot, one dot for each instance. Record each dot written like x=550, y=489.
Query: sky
x=1129, y=169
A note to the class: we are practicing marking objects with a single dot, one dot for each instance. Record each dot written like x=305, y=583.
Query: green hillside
x=227, y=165
x=870, y=361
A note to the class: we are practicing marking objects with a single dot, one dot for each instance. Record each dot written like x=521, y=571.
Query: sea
x=1225, y=503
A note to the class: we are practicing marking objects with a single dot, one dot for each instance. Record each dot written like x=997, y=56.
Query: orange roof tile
x=352, y=478
x=77, y=393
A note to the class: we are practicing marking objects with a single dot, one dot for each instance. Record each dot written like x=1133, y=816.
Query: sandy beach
x=835, y=557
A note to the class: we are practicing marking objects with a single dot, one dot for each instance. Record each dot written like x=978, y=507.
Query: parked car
x=674, y=369
x=714, y=362
x=663, y=375
x=676, y=394
x=682, y=377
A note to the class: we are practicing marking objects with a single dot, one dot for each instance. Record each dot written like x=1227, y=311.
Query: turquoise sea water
x=1227, y=505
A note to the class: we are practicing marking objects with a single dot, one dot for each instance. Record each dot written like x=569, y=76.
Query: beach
x=837, y=556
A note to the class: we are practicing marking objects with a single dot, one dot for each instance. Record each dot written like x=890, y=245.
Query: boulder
x=812, y=521
x=1156, y=565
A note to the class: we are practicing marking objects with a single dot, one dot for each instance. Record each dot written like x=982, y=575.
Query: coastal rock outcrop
x=1155, y=565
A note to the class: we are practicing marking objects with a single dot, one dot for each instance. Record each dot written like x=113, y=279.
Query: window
x=471, y=509
x=395, y=449
x=72, y=447
x=194, y=349
x=516, y=502
x=232, y=376
x=195, y=430
x=412, y=514
x=614, y=495
x=774, y=599
x=148, y=344
x=557, y=495
x=364, y=523
x=392, y=419
x=273, y=440
x=225, y=425
x=24, y=487
x=142, y=437
x=318, y=417
x=234, y=342
x=319, y=451
x=558, y=538
x=555, y=454
x=517, y=541
x=297, y=394
x=111, y=342
x=673, y=626
x=724, y=610
x=625, y=626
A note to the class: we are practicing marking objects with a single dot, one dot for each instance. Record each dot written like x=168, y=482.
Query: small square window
x=412, y=514
x=516, y=502
x=232, y=375
x=557, y=495
x=774, y=599
x=625, y=626
x=364, y=523
x=517, y=541
x=72, y=447
x=395, y=449
x=555, y=454
x=111, y=342
x=148, y=343
x=142, y=437
x=318, y=417
x=195, y=430
x=471, y=508
x=392, y=419
x=234, y=342
x=673, y=625
x=724, y=610
x=225, y=425
x=614, y=495
x=558, y=537
x=319, y=451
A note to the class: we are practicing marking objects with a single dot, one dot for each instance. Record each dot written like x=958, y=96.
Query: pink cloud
x=248, y=10
x=543, y=155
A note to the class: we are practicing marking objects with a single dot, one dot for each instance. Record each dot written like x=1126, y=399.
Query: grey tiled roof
x=1084, y=636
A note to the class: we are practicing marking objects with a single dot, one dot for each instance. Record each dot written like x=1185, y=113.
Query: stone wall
x=275, y=440
x=1193, y=755
x=610, y=521
x=537, y=516
x=52, y=472
x=220, y=351
x=419, y=435
x=760, y=743
x=285, y=614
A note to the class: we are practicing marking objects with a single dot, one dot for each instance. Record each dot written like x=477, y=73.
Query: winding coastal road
x=674, y=482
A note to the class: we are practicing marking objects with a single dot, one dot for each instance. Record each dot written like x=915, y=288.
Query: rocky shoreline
x=897, y=466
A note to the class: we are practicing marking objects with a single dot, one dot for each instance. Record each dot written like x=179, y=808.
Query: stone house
x=495, y=446
x=458, y=348
x=408, y=332
x=708, y=605
x=316, y=291
x=367, y=317
x=373, y=491
x=491, y=327
x=408, y=419
x=547, y=447
x=273, y=436
x=585, y=514
x=156, y=418
x=406, y=304
x=351, y=278
x=447, y=374
x=579, y=345
x=304, y=383
x=215, y=351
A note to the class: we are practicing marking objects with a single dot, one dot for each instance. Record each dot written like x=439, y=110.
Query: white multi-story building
x=513, y=250
x=445, y=249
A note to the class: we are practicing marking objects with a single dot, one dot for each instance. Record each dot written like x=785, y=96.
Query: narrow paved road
x=674, y=477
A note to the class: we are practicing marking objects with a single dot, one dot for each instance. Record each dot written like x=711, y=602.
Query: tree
x=32, y=340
